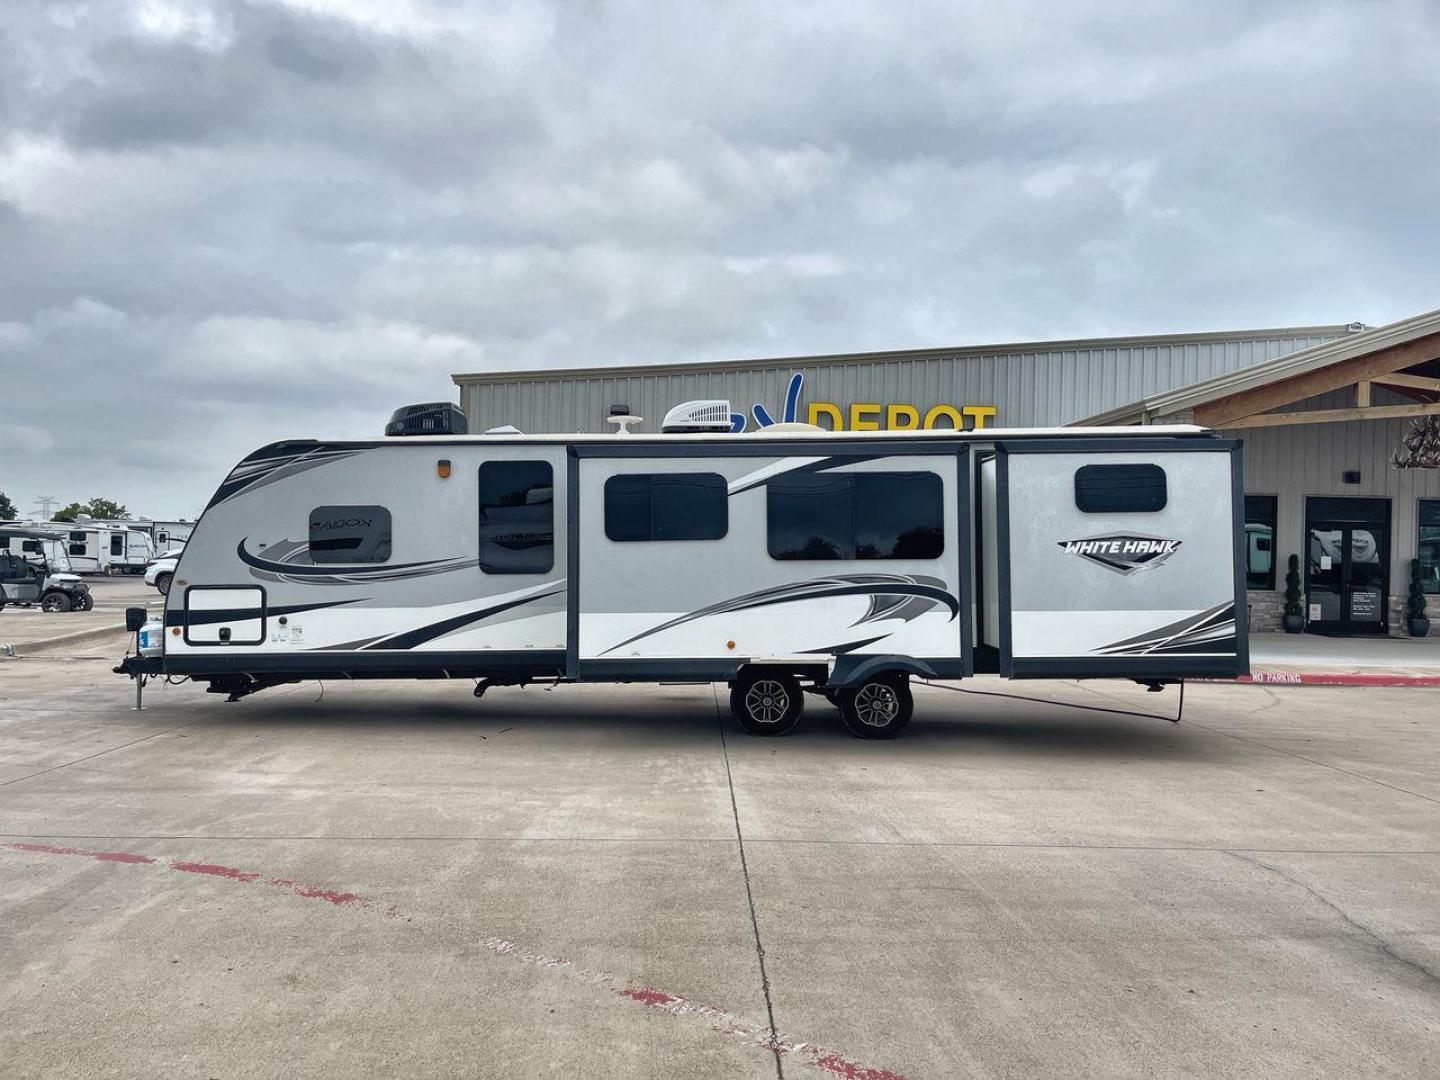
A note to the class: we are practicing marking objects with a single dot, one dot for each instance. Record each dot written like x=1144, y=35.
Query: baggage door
x=1121, y=557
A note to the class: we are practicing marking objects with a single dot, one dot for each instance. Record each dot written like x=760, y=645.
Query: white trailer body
x=105, y=549
x=823, y=558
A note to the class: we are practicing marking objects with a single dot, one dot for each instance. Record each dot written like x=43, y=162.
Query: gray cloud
x=231, y=222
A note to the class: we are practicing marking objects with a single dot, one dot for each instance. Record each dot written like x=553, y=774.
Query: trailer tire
x=163, y=584
x=55, y=601
x=766, y=702
x=879, y=708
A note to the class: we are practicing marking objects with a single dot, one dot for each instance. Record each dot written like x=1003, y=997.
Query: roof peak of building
x=994, y=349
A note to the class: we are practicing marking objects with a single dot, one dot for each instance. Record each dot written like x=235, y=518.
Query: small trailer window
x=1120, y=489
x=78, y=549
x=872, y=515
x=517, y=517
x=666, y=506
x=349, y=534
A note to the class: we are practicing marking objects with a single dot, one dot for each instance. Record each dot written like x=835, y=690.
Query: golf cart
x=41, y=575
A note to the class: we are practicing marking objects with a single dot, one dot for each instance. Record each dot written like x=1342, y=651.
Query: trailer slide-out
x=842, y=563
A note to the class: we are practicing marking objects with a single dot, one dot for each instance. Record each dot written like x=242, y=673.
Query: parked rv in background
x=94, y=548
x=165, y=535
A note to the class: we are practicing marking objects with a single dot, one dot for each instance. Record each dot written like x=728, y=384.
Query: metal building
x=1322, y=410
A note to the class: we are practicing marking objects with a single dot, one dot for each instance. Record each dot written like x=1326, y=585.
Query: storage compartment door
x=1121, y=562
x=224, y=615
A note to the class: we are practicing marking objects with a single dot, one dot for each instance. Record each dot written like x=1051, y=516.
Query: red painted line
x=1321, y=678
x=720, y=1021
x=230, y=872
x=102, y=856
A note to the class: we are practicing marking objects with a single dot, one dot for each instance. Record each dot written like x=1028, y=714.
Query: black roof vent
x=433, y=418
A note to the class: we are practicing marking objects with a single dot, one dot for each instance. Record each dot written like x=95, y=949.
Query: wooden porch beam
x=1225, y=411
x=1416, y=382
x=1362, y=395
x=1333, y=416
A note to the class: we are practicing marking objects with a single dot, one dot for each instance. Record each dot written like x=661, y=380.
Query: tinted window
x=1428, y=550
x=77, y=549
x=117, y=544
x=349, y=534
x=32, y=546
x=856, y=516
x=517, y=517
x=666, y=506
x=1120, y=489
x=78, y=535
x=1260, y=541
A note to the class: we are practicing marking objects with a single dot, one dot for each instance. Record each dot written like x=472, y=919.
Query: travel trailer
x=164, y=535
x=782, y=561
x=95, y=548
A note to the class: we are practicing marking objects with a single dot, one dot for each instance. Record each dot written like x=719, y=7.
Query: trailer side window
x=349, y=534
x=517, y=517
x=666, y=506
x=872, y=515
x=1120, y=489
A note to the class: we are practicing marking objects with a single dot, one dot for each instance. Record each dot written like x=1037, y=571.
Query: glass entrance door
x=1347, y=565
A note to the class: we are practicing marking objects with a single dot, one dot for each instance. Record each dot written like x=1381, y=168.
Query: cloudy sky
x=225, y=223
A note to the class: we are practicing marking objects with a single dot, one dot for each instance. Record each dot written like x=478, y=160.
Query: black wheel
x=163, y=584
x=55, y=601
x=84, y=602
x=879, y=708
x=766, y=702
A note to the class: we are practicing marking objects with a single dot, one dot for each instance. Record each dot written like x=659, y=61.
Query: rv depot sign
x=867, y=416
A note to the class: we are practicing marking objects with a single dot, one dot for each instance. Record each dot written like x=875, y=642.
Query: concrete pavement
x=398, y=880
x=30, y=629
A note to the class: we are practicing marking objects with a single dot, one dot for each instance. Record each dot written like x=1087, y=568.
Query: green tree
x=7, y=508
x=95, y=508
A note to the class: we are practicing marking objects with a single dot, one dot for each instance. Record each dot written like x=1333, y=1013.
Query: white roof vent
x=695, y=416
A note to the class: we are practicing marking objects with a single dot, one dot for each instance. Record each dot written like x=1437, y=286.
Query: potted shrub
x=1419, y=624
x=1294, y=621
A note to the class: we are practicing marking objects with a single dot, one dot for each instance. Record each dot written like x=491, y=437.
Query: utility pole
x=43, y=505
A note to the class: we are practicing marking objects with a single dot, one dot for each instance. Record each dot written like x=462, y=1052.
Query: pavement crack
x=1313, y=761
x=100, y=753
x=772, y=1035
x=1380, y=942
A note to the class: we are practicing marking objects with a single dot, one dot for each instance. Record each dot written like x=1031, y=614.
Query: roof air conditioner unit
x=433, y=418
x=696, y=416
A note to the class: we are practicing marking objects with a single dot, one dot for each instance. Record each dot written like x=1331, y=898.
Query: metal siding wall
x=1308, y=459
x=1031, y=389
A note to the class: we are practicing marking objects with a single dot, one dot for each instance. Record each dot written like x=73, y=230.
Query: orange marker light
x=175, y=631
x=442, y=468
x=729, y=644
